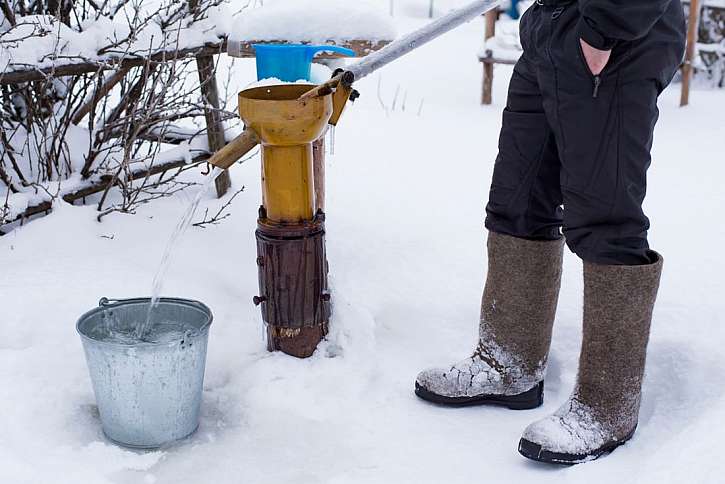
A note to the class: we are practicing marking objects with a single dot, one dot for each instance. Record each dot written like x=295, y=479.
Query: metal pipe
x=412, y=41
x=404, y=45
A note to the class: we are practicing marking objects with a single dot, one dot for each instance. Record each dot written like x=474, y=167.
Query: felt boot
x=603, y=411
x=517, y=316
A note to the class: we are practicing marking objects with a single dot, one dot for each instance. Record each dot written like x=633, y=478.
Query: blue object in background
x=290, y=62
x=513, y=11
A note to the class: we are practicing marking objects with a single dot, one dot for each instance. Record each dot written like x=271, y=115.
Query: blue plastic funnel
x=290, y=62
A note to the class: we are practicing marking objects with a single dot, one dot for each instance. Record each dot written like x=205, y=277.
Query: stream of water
x=184, y=223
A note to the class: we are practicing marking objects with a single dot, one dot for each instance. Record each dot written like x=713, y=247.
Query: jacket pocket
x=596, y=78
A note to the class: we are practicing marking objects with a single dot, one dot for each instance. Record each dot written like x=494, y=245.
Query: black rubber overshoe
x=523, y=401
x=535, y=452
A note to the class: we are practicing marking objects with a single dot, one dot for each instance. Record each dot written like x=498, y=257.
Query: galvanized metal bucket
x=148, y=393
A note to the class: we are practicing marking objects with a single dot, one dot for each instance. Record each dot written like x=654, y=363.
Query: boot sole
x=535, y=452
x=523, y=401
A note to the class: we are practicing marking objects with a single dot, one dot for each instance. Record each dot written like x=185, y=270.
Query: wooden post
x=318, y=147
x=486, y=95
x=430, y=9
x=214, y=125
x=318, y=164
x=692, y=28
x=210, y=94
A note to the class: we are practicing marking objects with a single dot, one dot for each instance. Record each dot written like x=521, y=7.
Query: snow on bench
x=39, y=45
x=332, y=23
x=505, y=46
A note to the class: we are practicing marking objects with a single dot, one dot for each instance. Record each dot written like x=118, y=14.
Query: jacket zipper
x=597, y=82
x=596, y=79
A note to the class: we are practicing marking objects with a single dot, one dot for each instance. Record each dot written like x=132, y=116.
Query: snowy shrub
x=711, y=43
x=72, y=135
x=709, y=63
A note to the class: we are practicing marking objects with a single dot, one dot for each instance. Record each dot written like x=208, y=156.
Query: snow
x=475, y=376
x=42, y=41
x=105, y=32
x=48, y=36
x=218, y=23
x=77, y=139
x=316, y=21
x=713, y=3
x=505, y=45
x=405, y=208
x=573, y=429
x=318, y=74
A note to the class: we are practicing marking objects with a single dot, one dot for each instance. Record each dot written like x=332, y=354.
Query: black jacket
x=605, y=22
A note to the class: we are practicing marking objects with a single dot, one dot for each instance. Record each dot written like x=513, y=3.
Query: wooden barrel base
x=294, y=296
x=299, y=342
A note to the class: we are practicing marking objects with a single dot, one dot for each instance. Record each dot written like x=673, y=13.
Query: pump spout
x=235, y=149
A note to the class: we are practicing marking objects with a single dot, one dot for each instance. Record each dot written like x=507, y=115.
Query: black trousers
x=574, y=149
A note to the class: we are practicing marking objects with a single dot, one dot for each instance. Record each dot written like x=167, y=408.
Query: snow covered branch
x=69, y=137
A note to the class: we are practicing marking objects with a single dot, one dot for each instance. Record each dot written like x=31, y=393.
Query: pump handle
x=235, y=149
x=398, y=48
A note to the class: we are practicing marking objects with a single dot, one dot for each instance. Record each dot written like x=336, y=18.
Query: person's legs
x=606, y=154
x=603, y=410
x=604, y=135
x=525, y=252
x=525, y=198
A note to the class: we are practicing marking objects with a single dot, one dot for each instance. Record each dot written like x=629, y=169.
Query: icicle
x=331, y=140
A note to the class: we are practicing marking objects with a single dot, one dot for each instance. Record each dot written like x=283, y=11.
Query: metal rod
x=402, y=46
x=412, y=41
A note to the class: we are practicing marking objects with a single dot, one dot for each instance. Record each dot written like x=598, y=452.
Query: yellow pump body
x=286, y=128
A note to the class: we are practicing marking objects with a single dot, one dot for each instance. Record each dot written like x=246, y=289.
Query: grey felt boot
x=603, y=411
x=517, y=315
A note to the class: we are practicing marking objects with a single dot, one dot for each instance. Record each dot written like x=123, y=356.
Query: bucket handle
x=104, y=301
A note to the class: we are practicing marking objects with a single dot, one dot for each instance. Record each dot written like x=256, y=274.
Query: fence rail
x=18, y=74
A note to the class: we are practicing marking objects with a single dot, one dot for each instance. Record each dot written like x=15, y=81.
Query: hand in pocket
x=596, y=59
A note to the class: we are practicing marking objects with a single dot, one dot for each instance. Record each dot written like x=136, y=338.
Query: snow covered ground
x=406, y=194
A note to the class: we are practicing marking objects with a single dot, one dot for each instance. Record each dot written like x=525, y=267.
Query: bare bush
x=133, y=128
